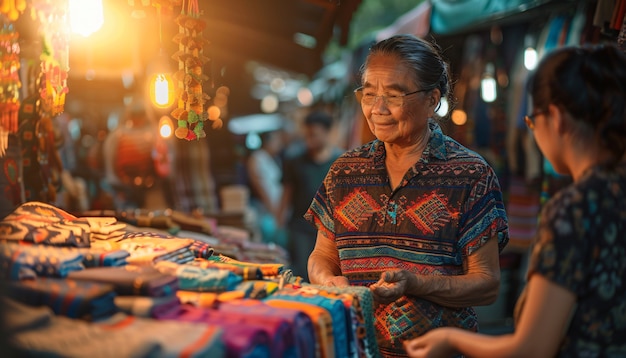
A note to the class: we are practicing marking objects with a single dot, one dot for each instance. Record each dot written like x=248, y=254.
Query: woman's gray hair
x=430, y=69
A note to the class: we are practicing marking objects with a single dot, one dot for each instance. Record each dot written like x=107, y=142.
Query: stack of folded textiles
x=136, y=291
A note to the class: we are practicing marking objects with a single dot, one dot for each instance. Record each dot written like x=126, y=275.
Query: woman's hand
x=435, y=343
x=392, y=285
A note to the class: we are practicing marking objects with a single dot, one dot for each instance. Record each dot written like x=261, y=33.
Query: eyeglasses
x=530, y=119
x=369, y=99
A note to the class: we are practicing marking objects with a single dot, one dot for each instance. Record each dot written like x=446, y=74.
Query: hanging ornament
x=12, y=8
x=9, y=83
x=53, y=19
x=190, y=112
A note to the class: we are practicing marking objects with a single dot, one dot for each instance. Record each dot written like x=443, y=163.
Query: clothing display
x=134, y=289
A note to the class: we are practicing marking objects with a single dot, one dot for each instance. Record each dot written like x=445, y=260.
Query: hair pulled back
x=589, y=83
x=429, y=69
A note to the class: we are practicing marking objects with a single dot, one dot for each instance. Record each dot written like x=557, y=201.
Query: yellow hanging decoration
x=190, y=112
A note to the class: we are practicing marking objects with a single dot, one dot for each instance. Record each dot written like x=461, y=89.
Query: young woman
x=575, y=299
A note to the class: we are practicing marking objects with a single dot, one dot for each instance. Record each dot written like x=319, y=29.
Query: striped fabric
x=74, y=299
x=446, y=207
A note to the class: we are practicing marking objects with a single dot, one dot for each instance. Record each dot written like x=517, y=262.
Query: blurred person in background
x=303, y=173
x=264, y=169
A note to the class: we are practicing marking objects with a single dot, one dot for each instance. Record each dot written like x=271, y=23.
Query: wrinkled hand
x=432, y=344
x=391, y=286
x=338, y=281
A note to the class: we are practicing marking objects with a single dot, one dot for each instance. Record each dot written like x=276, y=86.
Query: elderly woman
x=575, y=299
x=413, y=214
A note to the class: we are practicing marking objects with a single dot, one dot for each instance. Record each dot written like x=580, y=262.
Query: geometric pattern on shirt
x=356, y=208
x=430, y=213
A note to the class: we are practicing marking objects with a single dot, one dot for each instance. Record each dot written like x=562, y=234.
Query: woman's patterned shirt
x=446, y=207
x=581, y=245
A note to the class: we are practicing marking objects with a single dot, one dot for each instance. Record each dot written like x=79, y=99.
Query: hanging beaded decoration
x=9, y=82
x=53, y=16
x=190, y=112
x=12, y=8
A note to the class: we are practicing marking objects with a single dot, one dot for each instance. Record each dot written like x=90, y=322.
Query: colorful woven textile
x=39, y=332
x=131, y=280
x=194, y=278
x=41, y=223
x=243, y=337
x=246, y=272
x=335, y=307
x=97, y=258
x=142, y=306
x=146, y=248
x=359, y=301
x=302, y=326
x=322, y=322
x=19, y=262
x=74, y=299
x=267, y=269
x=447, y=206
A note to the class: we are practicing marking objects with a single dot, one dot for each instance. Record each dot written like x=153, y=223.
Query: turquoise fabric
x=449, y=16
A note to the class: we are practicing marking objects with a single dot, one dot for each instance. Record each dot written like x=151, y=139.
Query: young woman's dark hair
x=589, y=83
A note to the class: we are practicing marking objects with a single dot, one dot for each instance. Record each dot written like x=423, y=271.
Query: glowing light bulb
x=530, y=58
x=165, y=127
x=161, y=90
x=161, y=95
x=86, y=16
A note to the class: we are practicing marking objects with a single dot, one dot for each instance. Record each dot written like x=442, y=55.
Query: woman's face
x=548, y=140
x=400, y=125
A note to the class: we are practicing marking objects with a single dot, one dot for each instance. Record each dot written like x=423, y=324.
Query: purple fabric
x=278, y=331
x=302, y=335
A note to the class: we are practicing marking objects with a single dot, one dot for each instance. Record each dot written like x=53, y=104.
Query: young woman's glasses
x=369, y=99
x=530, y=119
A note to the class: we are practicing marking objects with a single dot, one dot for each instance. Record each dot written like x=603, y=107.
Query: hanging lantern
x=161, y=85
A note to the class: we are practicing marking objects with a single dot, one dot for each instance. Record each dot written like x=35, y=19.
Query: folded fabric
x=131, y=280
x=246, y=272
x=93, y=257
x=335, y=307
x=29, y=261
x=364, y=329
x=201, y=249
x=303, y=329
x=257, y=289
x=275, y=335
x=322, y=322
x=74, y=299
x=38, y=332
x=141, y=306
x=180, y=256
x=194, y=278
x=40, y=223
x=267, y=269
x=146, y=248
